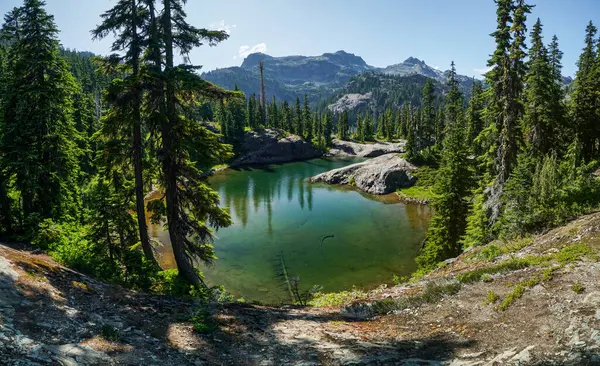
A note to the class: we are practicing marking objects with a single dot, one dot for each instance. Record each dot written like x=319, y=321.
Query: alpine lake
x=330, y=236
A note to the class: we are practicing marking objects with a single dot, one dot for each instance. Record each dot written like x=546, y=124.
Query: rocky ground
x=273, y=146
x=368, y=150
x=381, y=175
x=51, y=315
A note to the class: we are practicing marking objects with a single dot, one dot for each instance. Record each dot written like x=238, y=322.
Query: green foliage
x=203, y=321
x=110, y=333
x=578, y=288
x=490, y=252
x=336, y=298
x=452, y=187
x=491, y=298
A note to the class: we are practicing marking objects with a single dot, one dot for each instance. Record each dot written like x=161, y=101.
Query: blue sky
x=383, y=32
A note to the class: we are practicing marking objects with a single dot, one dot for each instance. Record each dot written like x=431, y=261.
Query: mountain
x=291, y=76
x=321, y=77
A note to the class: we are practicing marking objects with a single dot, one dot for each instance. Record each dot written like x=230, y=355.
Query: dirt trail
x=52, y=315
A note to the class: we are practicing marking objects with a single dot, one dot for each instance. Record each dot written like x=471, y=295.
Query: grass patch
x=336, y=298
x=578, y=288
x=420, y=193
x=491, y=298
x=432, y=292
x=566, y=255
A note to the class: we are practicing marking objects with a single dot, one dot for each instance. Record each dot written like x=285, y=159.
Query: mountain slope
x=318, y=76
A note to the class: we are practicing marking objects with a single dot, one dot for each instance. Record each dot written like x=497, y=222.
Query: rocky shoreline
x=380, y=175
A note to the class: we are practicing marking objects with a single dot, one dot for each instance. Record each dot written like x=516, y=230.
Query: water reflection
x=278, y=213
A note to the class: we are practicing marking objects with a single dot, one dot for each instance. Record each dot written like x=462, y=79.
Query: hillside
x=526, y=302
x=318, y=76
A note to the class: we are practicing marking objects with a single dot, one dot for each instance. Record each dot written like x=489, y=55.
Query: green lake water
x=278, y=214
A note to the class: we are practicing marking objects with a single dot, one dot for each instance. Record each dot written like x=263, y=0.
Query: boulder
x=349, y=148
x=381, y=175
x=274, y=146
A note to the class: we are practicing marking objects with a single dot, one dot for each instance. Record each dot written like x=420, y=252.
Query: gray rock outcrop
x=381, y=175
x=273, y=146
x=349, y=148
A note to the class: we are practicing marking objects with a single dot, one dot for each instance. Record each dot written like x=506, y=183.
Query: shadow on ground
x=50, y=314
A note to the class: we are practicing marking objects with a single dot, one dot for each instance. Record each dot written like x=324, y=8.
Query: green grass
x=491, y=298
x=578, y=288
x=416, y=192
x=336, y=298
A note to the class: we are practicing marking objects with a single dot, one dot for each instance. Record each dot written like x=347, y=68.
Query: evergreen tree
x=343, y=126
x=538, y=120
x=274, y=118
x=583, y=106
x=190, y=203
x=251, y=112
x=308, y=122
x=327, y=128
x=428, y=117
x=298, y=120
x=39, y=137
x=126, y=22
x=475, y=122
x=452, y=186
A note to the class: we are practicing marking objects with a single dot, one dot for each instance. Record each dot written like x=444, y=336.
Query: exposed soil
x=52, y=315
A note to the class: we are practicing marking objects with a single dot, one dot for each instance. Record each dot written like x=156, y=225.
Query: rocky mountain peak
x=413, y=61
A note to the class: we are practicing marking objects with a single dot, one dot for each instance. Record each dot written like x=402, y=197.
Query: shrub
x=578, y=288
x=491, y=298
x=110, y=333
x=203, y=321
x=490, y=252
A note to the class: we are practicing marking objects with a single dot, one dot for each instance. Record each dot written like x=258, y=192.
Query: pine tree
x=428, y=126
x=342, y=132
x=327, y=128
x=583, y=107
x=252, y=112
x=475, y=122
x=298, y=120
x=452, y=186
x=126, y=22
x=274, y=118
x=308, y=122
x=40, y=139
x=190, y=203
x=538, y=120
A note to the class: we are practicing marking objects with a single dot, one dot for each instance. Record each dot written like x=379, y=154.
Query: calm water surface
x=279, y=216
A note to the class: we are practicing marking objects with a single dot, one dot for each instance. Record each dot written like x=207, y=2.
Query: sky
x=382, y=32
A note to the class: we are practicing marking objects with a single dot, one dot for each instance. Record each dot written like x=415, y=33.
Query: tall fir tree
x=190, y=204
x=125, y=21
x=452, y=187
x=39, y=137
x=584, y=101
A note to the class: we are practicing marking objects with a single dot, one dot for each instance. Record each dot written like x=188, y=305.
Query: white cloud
x=245, y=50
x=221, y=26
x=437, y=68
x=483, y=70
